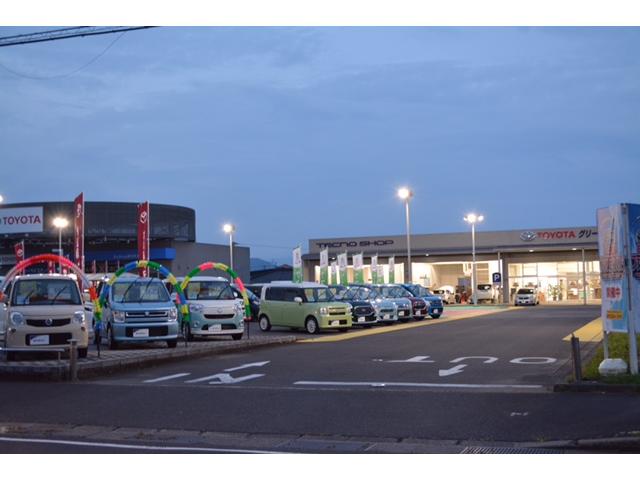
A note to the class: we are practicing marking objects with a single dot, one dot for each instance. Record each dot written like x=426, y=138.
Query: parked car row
x=315, y=307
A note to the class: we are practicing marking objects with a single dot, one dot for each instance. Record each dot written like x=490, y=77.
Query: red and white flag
x=19, y=250
x=78, y=238
x=143, y=235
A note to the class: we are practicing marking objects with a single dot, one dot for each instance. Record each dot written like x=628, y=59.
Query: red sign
x=78, y=239
x=19, y=250
x=143, y=234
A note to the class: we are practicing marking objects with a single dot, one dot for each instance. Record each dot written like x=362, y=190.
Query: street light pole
x=472, y=218
x=60, y=223
x=405, y=194
x=230, y=229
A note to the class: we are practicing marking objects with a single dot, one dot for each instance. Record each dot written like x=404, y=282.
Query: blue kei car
x=436, y=307
x=139, y=309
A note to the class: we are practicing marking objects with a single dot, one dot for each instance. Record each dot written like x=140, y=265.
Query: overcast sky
x=298, y=133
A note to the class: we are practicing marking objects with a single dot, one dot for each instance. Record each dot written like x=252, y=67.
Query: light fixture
x=473, y=218
x=404, y=193
x=228, y=228
x=60, y=222
x=530, y=251
x=1, y=199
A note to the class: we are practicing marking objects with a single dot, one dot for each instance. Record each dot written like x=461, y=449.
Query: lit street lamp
x=60, y=223
x=405, y=194
x=230, y=229
x=472, y=218
x=1, y=199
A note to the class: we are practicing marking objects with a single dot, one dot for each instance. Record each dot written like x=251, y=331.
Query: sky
x=298, y=133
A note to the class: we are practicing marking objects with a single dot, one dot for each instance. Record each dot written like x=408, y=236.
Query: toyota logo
x=48, y=322
x=528, y=236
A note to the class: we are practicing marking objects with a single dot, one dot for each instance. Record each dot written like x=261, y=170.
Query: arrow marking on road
x=451, y=371
x=419, y=359
x=488, y=359
x=248, y=365
x=225, y=378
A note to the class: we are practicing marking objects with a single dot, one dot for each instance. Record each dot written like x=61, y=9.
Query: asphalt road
x=413, y=383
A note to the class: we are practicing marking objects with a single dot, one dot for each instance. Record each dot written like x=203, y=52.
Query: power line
x=64, y=75
x=63, y=33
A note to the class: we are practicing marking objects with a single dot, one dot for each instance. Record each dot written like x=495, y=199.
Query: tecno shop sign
x=21, y=220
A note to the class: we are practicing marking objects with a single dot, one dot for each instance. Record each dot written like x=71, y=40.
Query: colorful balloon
x=221, y=266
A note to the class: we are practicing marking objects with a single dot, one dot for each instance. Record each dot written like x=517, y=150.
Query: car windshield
x=322, y=294
x=419, y=291
x=141, y=290
x=393, y=292
x=525, y=291
x=339, y=291
x=209, y=290
x=46, y=291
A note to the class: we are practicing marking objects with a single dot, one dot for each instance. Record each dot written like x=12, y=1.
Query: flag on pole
x=143, y=235
x=324, y=266
x=297, y=265
x=374, y=269
x=334, y=273
x=342, y=268
x=392, y=269
x=78, y=229
x=358, y=268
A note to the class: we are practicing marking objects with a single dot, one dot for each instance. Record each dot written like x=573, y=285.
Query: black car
x=362, y=310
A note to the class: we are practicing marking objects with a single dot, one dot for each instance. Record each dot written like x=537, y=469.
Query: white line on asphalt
x=130, y=446
x=168, y=377
x=402, y=384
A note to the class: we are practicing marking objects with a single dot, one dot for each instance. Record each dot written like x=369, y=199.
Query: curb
x=59, y=371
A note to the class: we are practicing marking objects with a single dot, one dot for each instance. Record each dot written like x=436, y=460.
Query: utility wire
x=62, y=33
x=64, y=75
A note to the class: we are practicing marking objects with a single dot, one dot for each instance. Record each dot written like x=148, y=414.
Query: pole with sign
x=78, y=231
x=324, y=266
x=342, y=268
x=143, y=235
x=392, y=269
x=297, y=265
x=19, y=251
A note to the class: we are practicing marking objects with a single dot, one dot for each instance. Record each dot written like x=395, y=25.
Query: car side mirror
x=86, y=296
x=298, y=300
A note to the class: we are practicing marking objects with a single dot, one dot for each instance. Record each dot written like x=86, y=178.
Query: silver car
x=527, y=296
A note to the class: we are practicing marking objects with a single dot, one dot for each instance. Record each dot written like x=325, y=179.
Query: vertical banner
x=143, y=235
x=358, y=268
x=78, y=230
x=380, y=273
x=374, y=269
x=334, y=273
x=297, y=265
x=633, y=244
x=612, y=272
x=342, y=268
x=324, y=266
x=19, y=251
x=392, y=269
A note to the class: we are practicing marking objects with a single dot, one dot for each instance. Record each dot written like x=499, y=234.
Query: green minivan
x=302, y=305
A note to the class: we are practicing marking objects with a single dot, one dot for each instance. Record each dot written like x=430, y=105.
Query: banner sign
x=21, y=220
x=358, y=268
x=78, y=237
x=297, y=265
x=392, y=269
x=374, y=269
x=143, y=235
x=619, y=252
x=334, y=273
x=324, y=266
x=342, y=268
x=380, y=273
x=19, y=251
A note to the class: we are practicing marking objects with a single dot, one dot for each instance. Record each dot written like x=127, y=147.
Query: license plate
x=40, y=340
x=335, y=323
x=141, y=333
x=361, y=319
x=216, y=328
x=401, y=314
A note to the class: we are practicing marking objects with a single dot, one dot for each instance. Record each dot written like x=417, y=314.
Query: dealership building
x=561, y=262
x=110, y=232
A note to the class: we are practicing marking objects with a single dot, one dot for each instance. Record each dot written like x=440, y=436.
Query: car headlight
x=173, y=314
x=324, y=311
x=195, y=307
x=78, y=317
x=17, y=319
x=118, y=316
x=239, y=307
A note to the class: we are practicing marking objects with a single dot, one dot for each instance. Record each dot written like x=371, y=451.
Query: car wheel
x=265, y=324
x=311, y=325
x=172, y=343
x=237, y=336
x=113, y=344
x=435, y=316
x=82, y=352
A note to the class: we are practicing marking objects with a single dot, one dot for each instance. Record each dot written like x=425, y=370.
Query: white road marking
x=533, y=360
x=488, y=359
x=225, y=378
x=406, y=384
x=248, y=365
x=451, y=371
x=420, y=359
x=519, y=414
x=168, y=377
x=129, y=446
x=203, y=379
